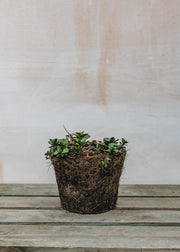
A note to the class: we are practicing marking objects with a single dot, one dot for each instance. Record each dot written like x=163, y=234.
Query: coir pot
x=85, y=185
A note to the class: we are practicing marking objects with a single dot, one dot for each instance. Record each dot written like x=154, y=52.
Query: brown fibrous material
x=85, y=185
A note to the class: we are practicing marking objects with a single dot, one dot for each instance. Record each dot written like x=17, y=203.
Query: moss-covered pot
x=85, y=186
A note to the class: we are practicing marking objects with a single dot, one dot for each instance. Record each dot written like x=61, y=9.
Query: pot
x=85, y=185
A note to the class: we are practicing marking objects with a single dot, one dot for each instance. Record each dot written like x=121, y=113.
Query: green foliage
x=58, y=148
x=78, y=142
x=80, y=137
x=111, y=145
x=105, y=162
x=73, y=143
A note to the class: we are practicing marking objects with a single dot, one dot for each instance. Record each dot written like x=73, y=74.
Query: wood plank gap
x=149, y=208
x=86, y=249
x=34, y=196
x=98, y=224
x=117, y=208
x=33, y=208
x=57, y=196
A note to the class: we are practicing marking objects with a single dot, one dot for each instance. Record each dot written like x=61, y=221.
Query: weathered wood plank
x=58, y=230
x=127, y=237
x=124, y=190
x=29, y=202
x=112, y=217
x=122, y=203
x=28, y=189
x=149, y=190
x=148, y=203
x=10, y=249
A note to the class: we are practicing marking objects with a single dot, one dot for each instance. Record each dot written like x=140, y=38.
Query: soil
x=85, y=186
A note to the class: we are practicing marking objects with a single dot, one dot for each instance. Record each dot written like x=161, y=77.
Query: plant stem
x=68, y=134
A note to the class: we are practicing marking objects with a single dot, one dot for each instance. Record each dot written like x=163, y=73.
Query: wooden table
x=147, y=218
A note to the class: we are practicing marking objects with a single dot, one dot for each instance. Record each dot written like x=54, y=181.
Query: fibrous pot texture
x=85, y=185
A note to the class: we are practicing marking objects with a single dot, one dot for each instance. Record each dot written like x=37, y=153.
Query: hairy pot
x=88, y=177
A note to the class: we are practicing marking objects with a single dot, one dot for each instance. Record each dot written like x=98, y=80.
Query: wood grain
x=109, y=218
x=133, y=203
x=92, y=236
x=146, y=219
x=124, y=190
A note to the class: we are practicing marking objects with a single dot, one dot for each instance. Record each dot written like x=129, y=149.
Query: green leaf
x=58, y=150
x=85, y=138
x=106, y=139
x=116, y=151
x=107, y=159
x=63, y=141
x=112, y=145
x=65, y=150
x=113, y=140
x=51, y=141
x=124, y=141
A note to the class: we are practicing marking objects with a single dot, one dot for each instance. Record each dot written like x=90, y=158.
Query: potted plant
x=87, y=172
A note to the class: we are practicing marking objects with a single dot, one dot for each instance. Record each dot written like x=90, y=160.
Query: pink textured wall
x=111, y=68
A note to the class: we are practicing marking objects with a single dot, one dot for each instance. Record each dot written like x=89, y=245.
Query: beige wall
x=109, y=67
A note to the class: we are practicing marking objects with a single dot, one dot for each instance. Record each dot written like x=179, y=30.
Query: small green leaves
x=113, y=148
x=58, y=150
x=83, y=140
x=63, y=141
x=123, y=143
x=105, y=162
x=65, y=150
x=106, y=140
x=80, y=137
x=76, y=142
x=107, y=159
x=61, y=147
x=52, y=141
x=112, y=145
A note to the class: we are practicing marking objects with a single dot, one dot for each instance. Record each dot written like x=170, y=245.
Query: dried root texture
x=85, y=186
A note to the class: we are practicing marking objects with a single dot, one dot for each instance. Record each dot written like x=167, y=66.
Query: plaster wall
x=109, y=67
